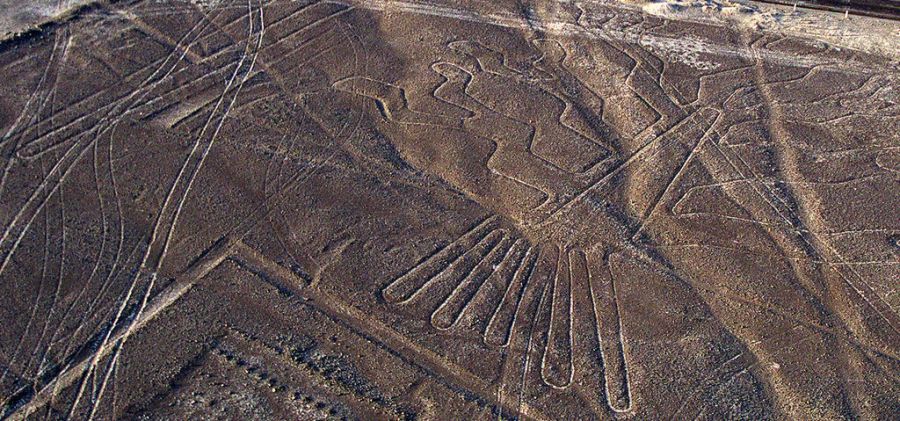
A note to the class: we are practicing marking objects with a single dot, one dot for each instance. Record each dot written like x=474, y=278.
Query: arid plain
x=466, y=209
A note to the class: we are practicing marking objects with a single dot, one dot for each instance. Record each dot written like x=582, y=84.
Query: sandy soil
x=17, y=16
x=466, y=209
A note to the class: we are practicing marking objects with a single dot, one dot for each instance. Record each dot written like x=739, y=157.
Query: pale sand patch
x=873, y=35
x=18, y=16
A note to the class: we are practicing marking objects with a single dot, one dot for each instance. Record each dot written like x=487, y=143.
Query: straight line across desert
x=449, y=210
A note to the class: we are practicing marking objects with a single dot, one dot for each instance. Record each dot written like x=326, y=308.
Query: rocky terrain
x=459, y=209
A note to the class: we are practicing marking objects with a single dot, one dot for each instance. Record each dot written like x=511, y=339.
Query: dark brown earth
x=889, y=9
x=456, y=210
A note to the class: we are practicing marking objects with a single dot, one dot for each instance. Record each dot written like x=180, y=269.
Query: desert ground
x=458, y=209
